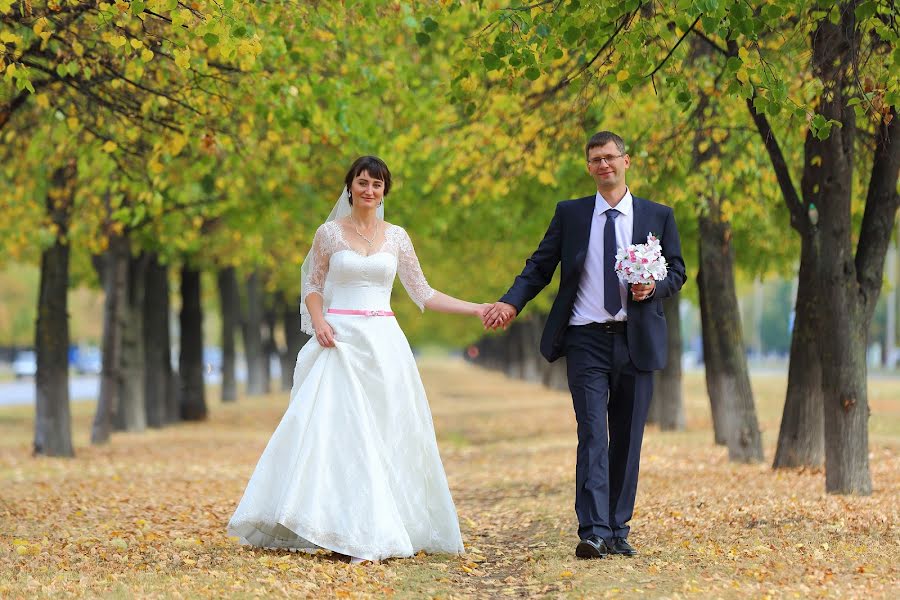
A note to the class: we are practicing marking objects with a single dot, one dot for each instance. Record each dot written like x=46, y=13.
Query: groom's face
x=607, y=165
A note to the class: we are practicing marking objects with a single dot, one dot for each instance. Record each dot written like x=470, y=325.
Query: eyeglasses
x=598, y=160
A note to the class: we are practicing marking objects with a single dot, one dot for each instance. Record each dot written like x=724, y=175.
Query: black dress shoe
x=592, y=547
x=621, y=546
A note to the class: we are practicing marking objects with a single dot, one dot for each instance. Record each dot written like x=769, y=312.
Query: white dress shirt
x=589, y=299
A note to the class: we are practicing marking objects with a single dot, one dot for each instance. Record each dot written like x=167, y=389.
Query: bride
x=353, y=466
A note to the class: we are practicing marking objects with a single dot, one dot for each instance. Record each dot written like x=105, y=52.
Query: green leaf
x=854, y=101
x=422, y=38
x=491, y=61
x=171, y=5
x=760, y=104
x=61, y=70
x=211, y=39
x=430, y=25
x=137, y=7
x=532, y=73
x=571, y=35
x=866, y=10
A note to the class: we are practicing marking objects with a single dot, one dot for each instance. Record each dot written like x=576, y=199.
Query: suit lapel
x=584, y=219
x=638, y=223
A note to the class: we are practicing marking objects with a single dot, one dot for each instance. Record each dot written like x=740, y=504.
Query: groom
x=613, y=337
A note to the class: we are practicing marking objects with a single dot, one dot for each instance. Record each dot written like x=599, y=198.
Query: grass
x=145, y=515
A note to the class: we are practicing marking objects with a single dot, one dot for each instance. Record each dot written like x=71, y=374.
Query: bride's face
x=367, y=192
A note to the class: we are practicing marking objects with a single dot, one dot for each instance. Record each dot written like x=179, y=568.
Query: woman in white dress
x=353, y=466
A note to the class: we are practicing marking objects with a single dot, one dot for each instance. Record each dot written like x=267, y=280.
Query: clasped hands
x=501, y=314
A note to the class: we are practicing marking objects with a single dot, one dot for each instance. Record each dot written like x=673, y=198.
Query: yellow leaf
x=136, y=43
x=110, y=146
x=176, y=144
x=816, y=161
x=117, y=41
x=72, y=122
x=566, y=574
x=622, y=75
x=77, y=48
x=39, y=25
x=146, y=55
x=183, y=58
x=743, y=54
x=42, y=100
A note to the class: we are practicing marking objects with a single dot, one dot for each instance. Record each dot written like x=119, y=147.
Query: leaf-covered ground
x=145, y=516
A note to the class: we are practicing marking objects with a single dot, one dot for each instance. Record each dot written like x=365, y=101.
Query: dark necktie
x=612, y=302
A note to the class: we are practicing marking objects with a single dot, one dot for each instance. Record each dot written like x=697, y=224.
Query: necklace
x=368, y=241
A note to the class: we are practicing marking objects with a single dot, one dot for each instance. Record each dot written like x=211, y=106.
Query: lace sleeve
x=410, y=271
x=320, y=253
x=314, y=273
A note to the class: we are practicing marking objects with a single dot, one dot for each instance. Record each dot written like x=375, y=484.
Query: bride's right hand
x=324, y=334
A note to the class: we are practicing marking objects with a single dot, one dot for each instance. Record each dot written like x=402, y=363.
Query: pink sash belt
x=364, y=313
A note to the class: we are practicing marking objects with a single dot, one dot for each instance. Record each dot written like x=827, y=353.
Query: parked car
x=25, y=364
x=88, y=360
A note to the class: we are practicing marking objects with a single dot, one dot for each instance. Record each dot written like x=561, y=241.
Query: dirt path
x=145, y=516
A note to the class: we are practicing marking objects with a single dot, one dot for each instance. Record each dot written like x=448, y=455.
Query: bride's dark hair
x=374, y=166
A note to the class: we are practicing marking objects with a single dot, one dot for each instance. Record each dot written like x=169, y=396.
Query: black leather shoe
x=592, y=547
x=621, y=546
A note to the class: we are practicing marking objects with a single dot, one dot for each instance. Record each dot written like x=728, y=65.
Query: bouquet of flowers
x=639, y=263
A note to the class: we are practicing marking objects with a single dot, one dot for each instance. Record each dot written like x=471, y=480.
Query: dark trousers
x=611, y=399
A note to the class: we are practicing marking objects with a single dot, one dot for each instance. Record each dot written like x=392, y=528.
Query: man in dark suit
x=613, y=340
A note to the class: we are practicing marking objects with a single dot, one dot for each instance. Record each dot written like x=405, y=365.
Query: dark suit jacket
x=566, y=242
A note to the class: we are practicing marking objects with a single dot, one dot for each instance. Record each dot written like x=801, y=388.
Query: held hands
x=498, y=314
x=642, y=291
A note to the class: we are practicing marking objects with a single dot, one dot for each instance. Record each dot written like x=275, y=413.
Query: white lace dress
x=353, y=466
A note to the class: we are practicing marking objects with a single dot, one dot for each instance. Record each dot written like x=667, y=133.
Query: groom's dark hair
x=601, y=138
x=374, y=166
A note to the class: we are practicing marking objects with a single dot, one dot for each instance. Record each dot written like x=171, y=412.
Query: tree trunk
x=270, y=347
x=890, y=326
x=157, y=351
x=801, y=438
x=667, y=407
x=712, y=363
x=114, y=266
x=728, y=371
x=53, y=422
x=295, y=339
x=132, y=413
x=190, y=360
x=257, y=366
x=230, y=305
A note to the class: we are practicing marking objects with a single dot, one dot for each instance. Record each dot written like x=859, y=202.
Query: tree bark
x=157, y=344
x=667, y=407
x=53, y=422
x=801, y=437
x=295, y=340
x=257, y=366
x=270, y=346
x=190, y=360
x=132, y=413
x=230, y=305
x=114, y=267
x=727, y=372
x=712, y=363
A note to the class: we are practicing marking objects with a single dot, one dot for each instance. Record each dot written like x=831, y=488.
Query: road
x=81, y=387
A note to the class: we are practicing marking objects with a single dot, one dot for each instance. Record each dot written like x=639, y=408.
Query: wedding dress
x=353, y=466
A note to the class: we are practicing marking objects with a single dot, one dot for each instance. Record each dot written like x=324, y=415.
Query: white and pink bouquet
x=639, y=263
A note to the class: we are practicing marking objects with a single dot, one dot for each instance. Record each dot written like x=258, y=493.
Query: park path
x=145, y=515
